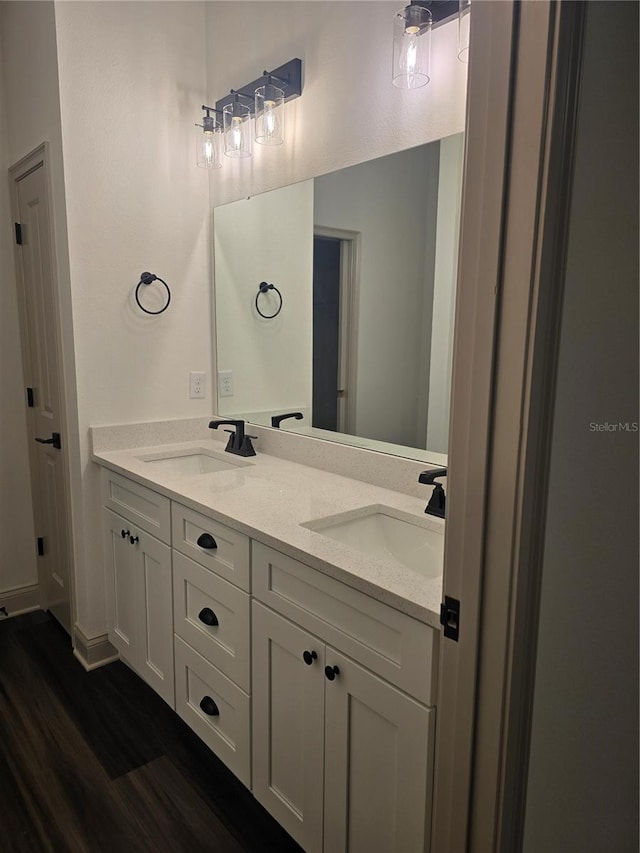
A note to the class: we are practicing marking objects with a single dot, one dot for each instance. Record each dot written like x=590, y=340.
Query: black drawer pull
x=209, y=706
x=331, y=672
x=309, y=657
x=134, y=539
x=207, y=616
x=206, y=540
x=125, y=533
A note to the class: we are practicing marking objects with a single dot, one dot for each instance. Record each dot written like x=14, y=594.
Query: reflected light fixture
x=208, y=141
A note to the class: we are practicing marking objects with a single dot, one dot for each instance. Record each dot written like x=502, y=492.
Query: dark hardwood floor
x=98, y=762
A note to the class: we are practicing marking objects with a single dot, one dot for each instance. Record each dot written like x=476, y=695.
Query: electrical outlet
x=196, y=384
x=225, y=383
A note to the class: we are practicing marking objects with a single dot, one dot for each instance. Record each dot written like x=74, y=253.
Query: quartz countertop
x=270, y=498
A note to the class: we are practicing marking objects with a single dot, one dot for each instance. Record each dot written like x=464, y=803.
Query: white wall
x=17, y=536
x=121, y=84
x=583, y=775
x=388, y=202
x=132, y=76
x=444, y=294
x=268, y=237
x=349, y=110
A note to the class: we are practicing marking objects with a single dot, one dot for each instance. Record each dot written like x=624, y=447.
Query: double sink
x=377, y=531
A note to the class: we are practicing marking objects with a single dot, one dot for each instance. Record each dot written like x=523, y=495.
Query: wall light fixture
x=236, y=120
x=208, y=141
x=263, y=98
x=412, y=28
x=412, y=46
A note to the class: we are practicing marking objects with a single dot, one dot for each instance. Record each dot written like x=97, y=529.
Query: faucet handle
x=428, y=478
x=437, y=501
x=246, y=448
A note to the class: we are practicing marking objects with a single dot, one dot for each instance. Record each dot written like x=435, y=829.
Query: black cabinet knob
x=209, y=706
x=207, y=616
x=206, y=540
x=124, y=533
x=331, y=672
x=309, y=657
x=134, y=539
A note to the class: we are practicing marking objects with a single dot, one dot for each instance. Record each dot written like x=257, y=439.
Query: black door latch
x=450, y=617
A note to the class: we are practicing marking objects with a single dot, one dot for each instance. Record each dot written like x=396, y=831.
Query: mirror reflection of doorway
x=335, y=253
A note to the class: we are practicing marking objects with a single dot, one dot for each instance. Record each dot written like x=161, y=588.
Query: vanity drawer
x=226, y=644
x=141, y=506
x=395, y=646
x=230, y=556
x=227, y=731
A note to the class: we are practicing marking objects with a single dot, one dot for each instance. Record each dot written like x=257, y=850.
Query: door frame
x=513, y=239
x=350, y=254
x=41, y=157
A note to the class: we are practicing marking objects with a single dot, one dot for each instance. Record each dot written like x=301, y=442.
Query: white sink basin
x=388, y=534
x=190, y=463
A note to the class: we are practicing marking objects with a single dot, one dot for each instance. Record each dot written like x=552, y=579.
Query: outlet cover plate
x=225, y=383
x=196, y=384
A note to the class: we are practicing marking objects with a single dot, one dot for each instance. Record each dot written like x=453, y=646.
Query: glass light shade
x=269, y=115
x=236, y=118
x=411, y=47
x=464, y=19
x=208, y=145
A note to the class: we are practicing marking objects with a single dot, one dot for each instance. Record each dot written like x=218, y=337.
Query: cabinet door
x=288, y=724
x=378, y=764
x=154, y=614
x=120, y=559
x=139, y=601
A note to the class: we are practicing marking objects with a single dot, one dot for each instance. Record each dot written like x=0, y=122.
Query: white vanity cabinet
x=211, y=579
x=341, y=758
x=138, y=580
x=317, y=696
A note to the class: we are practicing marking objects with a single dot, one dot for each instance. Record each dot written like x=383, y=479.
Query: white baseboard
x=21, y=600
x=93, y=652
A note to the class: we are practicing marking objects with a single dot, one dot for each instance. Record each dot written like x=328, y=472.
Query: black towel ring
x=148, y=278
x=263, y=287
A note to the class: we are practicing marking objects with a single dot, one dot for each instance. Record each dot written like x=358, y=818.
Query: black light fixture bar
x=289, y=79
x=442, y=11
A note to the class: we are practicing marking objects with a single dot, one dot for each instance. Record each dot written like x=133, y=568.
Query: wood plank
x=97, y=761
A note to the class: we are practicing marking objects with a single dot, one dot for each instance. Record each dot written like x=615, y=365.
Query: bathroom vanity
x=271, y=605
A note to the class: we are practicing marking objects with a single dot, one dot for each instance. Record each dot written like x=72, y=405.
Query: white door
x=288, y=725
x=378, y=764
x=41, y=366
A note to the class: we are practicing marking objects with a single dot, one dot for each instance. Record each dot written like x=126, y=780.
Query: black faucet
x=276, y=420
x=239, y=442
x=437, y=500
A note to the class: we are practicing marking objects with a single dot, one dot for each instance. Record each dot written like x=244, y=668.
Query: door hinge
x=450, y=617
x=40, y=546
x=18, y=228
x=30, y=402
